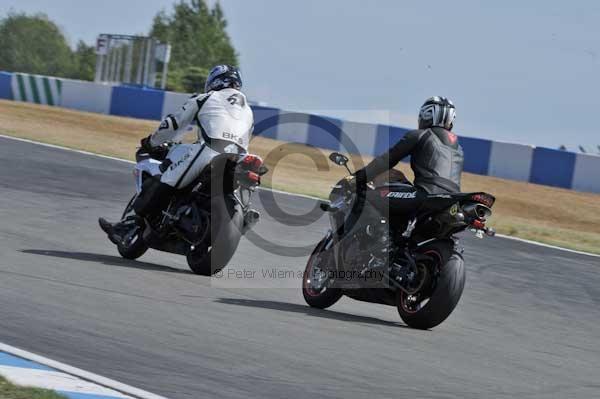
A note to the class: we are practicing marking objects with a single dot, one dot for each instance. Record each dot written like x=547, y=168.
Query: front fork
x=251, y=216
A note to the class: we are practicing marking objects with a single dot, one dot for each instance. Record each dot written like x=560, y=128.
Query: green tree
x=193, y=78
x=84, y=62
x=199, y=41
x=33, y=44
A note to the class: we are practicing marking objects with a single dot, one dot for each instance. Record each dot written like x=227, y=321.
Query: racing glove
x=146, y=145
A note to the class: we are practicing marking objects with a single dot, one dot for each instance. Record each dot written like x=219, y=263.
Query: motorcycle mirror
x=338, y=158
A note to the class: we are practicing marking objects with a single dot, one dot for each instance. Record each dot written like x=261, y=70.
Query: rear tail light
x=484, y=199
x=252, y=162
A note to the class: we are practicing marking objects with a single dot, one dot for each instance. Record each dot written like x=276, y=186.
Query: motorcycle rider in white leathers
x=225, y=122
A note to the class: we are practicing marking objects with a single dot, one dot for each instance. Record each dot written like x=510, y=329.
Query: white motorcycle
x=203, y=221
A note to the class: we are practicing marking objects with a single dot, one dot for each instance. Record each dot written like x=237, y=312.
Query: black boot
x=117, y=231
x=151, y=201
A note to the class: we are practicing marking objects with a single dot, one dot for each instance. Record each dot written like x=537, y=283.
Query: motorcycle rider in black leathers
x=436, y=160
x=436, y=157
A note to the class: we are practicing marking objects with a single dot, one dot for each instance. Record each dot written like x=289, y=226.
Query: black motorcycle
x=413, y=262
x=204, y=221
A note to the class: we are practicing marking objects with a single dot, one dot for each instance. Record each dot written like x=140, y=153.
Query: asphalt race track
x=526, y=327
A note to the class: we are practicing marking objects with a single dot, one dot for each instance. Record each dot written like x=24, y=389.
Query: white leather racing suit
x=225, y=122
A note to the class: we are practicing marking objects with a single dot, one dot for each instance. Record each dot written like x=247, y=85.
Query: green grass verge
x=547, y=234
x=11, y=391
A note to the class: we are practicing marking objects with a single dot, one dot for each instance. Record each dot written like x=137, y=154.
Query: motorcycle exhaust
x=477, y=211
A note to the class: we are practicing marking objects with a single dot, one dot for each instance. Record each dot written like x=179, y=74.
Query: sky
x=525, y=72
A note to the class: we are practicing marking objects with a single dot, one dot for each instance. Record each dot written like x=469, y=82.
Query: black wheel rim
x=131, y=239
x=314, y=273
x=412, y=303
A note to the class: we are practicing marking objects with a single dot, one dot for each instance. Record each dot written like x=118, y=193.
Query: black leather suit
x=436, y=159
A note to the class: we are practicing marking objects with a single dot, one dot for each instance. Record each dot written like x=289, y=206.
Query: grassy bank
x=11, y=391
x=554, y=216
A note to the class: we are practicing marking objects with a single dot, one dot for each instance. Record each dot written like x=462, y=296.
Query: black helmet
x=223, y=77
x=437, y=111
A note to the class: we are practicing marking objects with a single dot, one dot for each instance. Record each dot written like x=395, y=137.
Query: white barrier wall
x=586, y=176
x=173, y=102
x=359, y=135
x=86, y=96
x=510, y=161
x=296, y=131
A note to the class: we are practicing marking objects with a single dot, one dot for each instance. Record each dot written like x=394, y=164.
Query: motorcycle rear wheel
x=227, y=221
x=200, y=263
x=428, y=308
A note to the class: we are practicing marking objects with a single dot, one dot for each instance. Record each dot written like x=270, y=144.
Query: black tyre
x=431, y=306
x=133, y=251
x=227, y=221
x=136, y=246
x=321, y=296
x=199, y=262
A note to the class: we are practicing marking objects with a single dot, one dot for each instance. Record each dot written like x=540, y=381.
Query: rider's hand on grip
x=145, y=146
x=146, y=149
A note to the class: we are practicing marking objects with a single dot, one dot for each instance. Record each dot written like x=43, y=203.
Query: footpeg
x=251, y=218
x=409, y=228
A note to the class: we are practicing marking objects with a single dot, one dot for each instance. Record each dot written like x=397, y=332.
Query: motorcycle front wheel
x=315, y=283
x=135, y=247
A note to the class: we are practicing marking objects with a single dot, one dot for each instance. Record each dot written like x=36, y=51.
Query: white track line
x=84, y=375
x=541, y=244
x=65, y=148
x=290, y=194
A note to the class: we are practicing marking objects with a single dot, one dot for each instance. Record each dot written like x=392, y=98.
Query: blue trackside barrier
x=387, y=136
x=504, y=160
x=137, y=102
x=552, y=167
x=324, y=132
x=5, y=86
x=266, y=121
x=477, y=154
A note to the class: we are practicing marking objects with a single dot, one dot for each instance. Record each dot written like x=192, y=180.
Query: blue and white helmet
x=437, y=111
x=223, y=77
